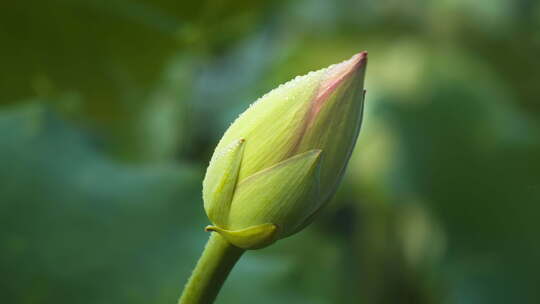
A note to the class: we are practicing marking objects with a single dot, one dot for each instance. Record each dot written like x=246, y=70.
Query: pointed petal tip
x=338, y=73
x=363, y=54
x=359, y=60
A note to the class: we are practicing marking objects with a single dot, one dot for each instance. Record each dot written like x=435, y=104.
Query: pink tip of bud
x=336, y=74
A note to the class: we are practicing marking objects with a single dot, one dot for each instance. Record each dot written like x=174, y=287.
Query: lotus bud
x=283, y=158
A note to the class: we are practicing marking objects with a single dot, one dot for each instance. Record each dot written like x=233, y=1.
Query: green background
x=110, y=111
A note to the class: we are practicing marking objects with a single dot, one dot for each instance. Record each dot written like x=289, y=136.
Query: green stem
x=212, y=269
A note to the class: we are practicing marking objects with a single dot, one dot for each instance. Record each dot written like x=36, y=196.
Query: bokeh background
x=110, y=110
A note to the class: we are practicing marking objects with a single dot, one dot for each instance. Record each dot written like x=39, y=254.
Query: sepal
x=284, y=195
x=254, y=237
x=220, y=181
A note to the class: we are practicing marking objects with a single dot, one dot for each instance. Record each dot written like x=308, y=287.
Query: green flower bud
x=284, y=157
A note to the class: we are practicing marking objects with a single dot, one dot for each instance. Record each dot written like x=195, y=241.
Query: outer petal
x=335, y=130
x=283, y=195
x=334, y=120
x=220, y=181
